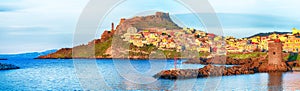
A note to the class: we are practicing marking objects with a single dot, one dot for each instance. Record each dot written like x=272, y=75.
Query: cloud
x=35, y=25
x=264, y=7
x=23, y=30
x=33, y=43
x=256, y=21
x=47, y=22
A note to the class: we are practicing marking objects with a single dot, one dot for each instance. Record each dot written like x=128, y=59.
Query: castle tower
x=122, y=21
x=112, y=26
x=275, y=52
x=113, y=30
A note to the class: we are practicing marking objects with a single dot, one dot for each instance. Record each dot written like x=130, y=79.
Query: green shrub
x=248, y=55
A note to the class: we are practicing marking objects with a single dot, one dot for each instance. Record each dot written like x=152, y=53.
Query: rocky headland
x=8, y=66
x=102, y=48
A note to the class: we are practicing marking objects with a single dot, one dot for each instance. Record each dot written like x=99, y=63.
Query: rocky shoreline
x=211, y=70
x=245, y=66
x=8, y=66
x=131, y=57
x=114, y=58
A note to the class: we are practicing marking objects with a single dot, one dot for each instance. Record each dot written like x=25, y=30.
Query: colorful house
x=295, y=31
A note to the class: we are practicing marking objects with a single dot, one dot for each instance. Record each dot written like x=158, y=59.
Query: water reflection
x=275, y=81
x=60, y=75
x=157, y=85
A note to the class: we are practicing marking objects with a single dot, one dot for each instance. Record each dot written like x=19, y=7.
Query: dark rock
x=245, y=66
x=8, y=66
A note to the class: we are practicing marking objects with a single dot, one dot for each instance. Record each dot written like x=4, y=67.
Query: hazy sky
x=38, y=25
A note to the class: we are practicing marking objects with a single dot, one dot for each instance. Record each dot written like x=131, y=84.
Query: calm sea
x=105, y=75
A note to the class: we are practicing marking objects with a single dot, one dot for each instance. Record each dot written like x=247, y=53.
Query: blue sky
x=38, y=25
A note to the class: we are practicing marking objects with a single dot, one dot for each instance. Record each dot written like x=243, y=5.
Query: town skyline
x=158, y=31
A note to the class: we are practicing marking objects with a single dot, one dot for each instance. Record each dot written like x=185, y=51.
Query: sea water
x=62, y=74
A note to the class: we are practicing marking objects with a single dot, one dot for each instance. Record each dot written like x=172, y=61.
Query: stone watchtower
x=275, y=52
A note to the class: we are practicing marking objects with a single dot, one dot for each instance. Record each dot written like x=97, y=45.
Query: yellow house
x=164, y=40
x=255, y=39
x=152, y=36
x=282, y=37
x=217, y=38
x=263, y=44
x=292, y=44
x=273, y=36
x=295, y=31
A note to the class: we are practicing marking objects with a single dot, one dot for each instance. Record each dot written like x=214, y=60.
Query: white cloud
x=38, y=22
x=261, y=7
x=50, y=19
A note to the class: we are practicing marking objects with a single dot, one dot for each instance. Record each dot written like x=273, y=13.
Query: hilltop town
x=159, y=32
x=197, y=40
x=260, y=42
x=200, y=41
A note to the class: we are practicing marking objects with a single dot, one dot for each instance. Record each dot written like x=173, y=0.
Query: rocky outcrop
x=159, y=20
x=8, y=66
x=209, y=70
x=247, y=66
x=102, y=45
x=294, y=64
x=282, y=67
x=62, y=53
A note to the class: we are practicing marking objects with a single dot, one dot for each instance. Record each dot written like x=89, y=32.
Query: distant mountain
x=269, y=33
x=26, y=55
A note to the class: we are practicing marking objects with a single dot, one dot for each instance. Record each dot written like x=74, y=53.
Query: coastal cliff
x=102, y=47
